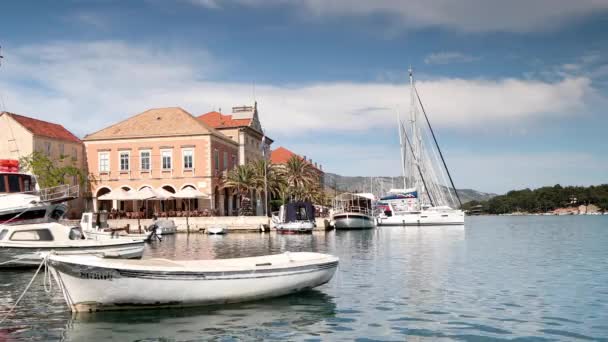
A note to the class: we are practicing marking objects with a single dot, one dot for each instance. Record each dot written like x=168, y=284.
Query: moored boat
x=91, y=283
x=217, y=230
x=428, y=196
x=295, y=217
x=21, y=200
x=95, y=226
x=353, y=211
x=21, y=245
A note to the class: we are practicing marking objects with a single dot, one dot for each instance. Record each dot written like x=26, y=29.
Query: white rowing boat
x=92, y=284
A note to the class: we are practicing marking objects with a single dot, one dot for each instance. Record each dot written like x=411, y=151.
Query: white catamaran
x=426, y=198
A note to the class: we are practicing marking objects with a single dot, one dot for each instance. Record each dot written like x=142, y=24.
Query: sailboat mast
x=402, y=147
x=414, y=139
x=438, y=148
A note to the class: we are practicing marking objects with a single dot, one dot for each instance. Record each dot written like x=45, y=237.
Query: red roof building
x=281, y=155
x=243, y=126
x=43, y=128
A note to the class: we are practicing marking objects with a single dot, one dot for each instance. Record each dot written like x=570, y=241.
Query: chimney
x=304, y=157
x=320, y=167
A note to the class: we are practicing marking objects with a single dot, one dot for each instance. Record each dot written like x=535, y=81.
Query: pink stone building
x=162, y=148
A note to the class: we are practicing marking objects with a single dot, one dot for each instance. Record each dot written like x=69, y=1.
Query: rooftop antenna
x=254, y=99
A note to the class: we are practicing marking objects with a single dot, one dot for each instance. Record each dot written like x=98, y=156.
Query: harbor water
x=500, y=278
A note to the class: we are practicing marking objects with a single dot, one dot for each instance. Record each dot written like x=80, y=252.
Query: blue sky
x=516, y=90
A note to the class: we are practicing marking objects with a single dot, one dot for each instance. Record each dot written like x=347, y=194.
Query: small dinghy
x=216, y=230
x=91, y=283
x=21, y=245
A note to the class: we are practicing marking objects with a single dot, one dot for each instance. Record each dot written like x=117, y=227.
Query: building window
x=47, y=148
x=225, y=161
x=144, y=160
x=124, y=160
x=166, y=156
x=233, y=161
x=188, y=157
x=216, y=160
x=104, y=162
x=75, y=153
x=61, y=150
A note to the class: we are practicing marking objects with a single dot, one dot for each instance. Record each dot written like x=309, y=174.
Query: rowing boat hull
x=89, y=288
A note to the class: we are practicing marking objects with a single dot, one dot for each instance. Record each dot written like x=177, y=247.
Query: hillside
x=381, y=185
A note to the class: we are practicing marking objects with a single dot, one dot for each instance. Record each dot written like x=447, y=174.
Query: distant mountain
x=381, y=185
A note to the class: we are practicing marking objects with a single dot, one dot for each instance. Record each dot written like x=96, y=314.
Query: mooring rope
x=42, y=263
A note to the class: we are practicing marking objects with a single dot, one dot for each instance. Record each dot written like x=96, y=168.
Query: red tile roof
x=281, y=155
x=44, y=128
x=219, y=120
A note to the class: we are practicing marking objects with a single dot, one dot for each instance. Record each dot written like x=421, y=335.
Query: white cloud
x=449, y=58
x=87, y=86
x=463, y=15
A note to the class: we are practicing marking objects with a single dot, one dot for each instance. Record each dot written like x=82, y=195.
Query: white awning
x=189, y=192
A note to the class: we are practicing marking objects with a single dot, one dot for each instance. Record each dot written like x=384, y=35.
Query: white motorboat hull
x=101, y=235
x=353, y=221
x=21, y=257
x=295, y=227
x=424, y=218
x=113, y=285
x=216, y=231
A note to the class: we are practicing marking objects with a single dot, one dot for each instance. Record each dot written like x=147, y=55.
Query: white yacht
x=22, y=245
x=22, y=201
x=428, y=196
x=353, y=211
x=295, y=217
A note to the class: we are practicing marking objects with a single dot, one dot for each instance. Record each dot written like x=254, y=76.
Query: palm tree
x=240, y=180
x=300, y=177
x=266, y=177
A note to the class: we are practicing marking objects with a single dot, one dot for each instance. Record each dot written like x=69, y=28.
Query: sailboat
x=428, y=196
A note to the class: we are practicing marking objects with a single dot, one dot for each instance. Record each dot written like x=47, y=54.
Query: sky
x=516, y=90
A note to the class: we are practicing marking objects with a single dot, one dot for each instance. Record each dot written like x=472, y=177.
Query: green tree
x=301, y=178
x=50, y=173
x=240, y=181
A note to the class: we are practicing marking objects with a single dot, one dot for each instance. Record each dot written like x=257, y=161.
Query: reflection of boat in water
x=91, y=283
x=353, y=211
x=427, y=198
x=244, y=321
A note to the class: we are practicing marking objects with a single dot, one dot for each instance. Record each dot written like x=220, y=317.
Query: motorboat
x=95, y=226
x=91, y=283
x=217, y=230
x=21, y=201
x=21, y=245
x=295, y=217
x=353, y=211
x=428, y=196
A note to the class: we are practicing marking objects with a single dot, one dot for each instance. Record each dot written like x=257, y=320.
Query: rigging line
x=438, y=148
x=418, y=165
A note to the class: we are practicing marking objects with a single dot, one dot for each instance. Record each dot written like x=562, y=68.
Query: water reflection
x=276, y=318
x=500, y=278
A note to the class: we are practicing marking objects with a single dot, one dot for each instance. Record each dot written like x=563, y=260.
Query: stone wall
x=232, y=223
